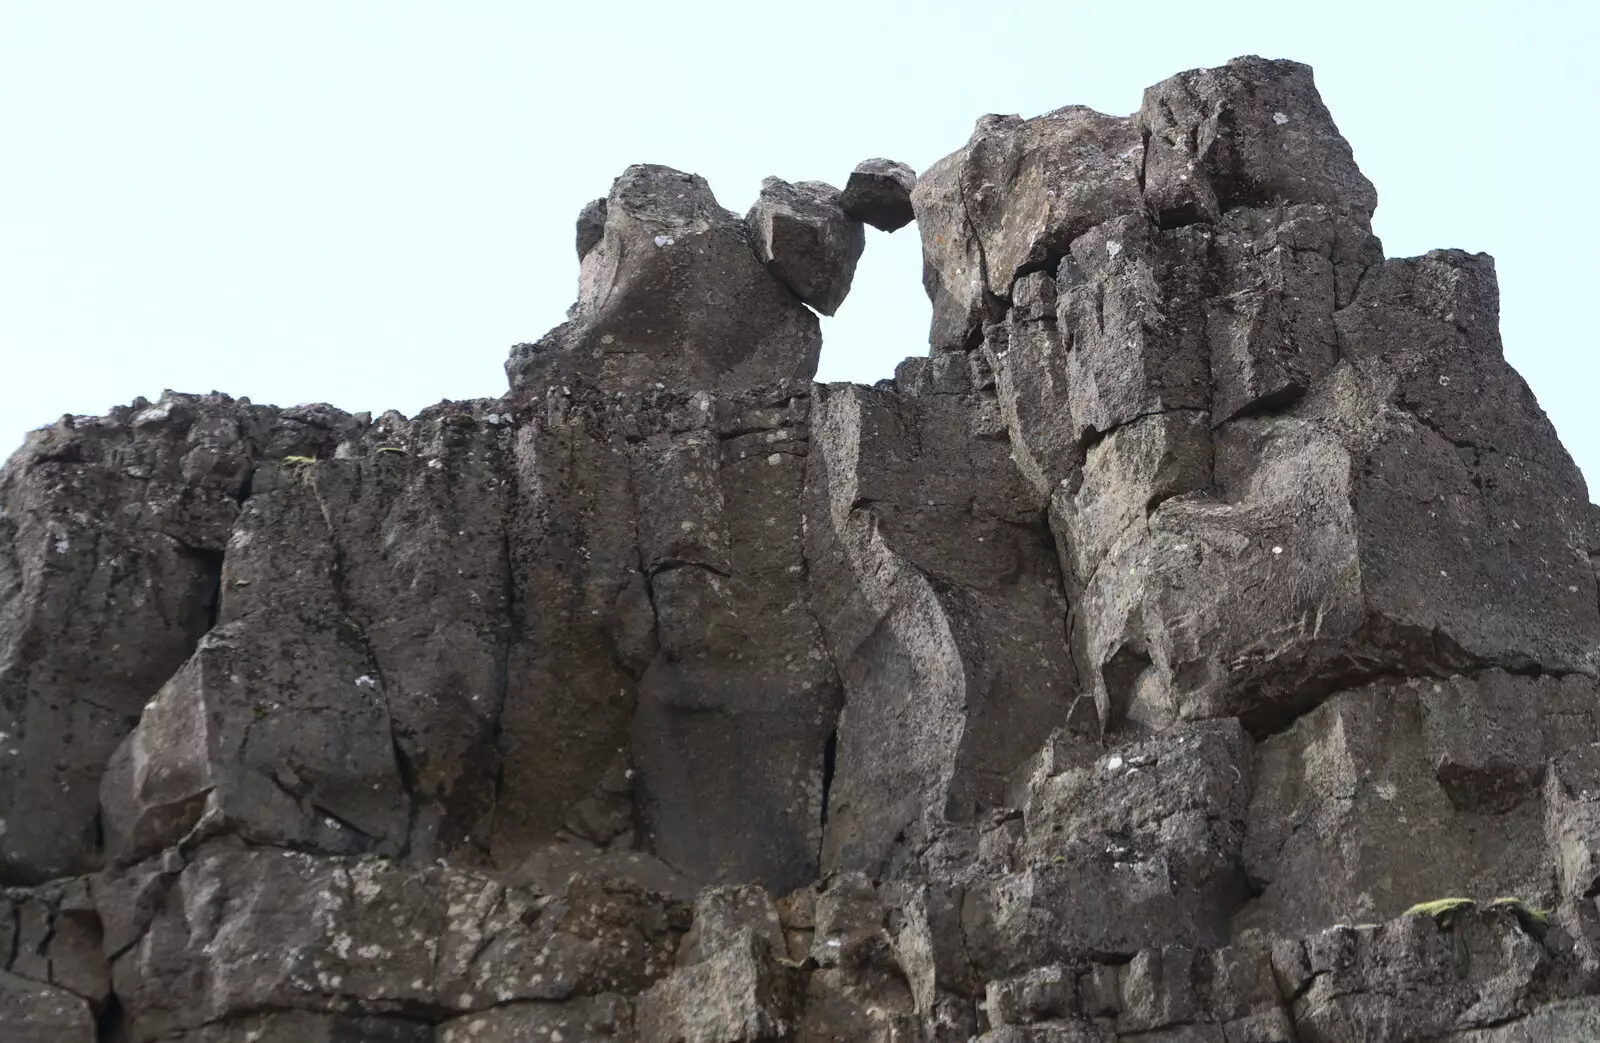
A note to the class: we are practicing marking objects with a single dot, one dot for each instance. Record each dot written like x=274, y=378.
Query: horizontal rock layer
x=1147, y=662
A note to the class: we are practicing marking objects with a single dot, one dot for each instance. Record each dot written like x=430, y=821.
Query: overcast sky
x=368, y=203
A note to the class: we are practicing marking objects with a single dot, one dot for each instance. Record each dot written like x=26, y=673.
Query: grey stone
x=879, y=194
x=739, y=994
x=591, y=226
x=1391, y=587
x=1013, y=199
x=52, y=935
x=721, y=913
x=1482, y=971
x=35, y=1013
x=806, y=240
x=298, y=1026
x=1390, y=795
x=1059, y=1031
x=241, y=930
x=1042, y=993
x=1248, y=133
x=736, y=706
x=1158, y=990
x=1139, y=664
x=1572, y=821
x=941, y=604
x=279, y=726
x=590, y=1020
x=1571, y=1019
x=1282, y=275
x=1104, y=848
x=112, y=531
x=672, y=293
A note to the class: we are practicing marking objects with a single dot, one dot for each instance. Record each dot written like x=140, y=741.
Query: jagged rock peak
x=1253, y=133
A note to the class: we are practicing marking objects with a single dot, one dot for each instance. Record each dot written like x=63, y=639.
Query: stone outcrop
x=1200, y=643
x=671, y=292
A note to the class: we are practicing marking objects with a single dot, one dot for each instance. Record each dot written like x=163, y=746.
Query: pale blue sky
x=368, y=203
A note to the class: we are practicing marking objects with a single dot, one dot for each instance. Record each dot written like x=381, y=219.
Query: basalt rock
x=671, y=292
x=1202, y=643
x=879, y=193
x=807, y=240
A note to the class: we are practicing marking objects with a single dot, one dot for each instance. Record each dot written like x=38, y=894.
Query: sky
x=367, y=203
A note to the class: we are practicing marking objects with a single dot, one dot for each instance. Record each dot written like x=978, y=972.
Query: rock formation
x=1198, y=645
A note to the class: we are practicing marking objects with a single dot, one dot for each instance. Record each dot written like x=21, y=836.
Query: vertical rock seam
x=1201, y=642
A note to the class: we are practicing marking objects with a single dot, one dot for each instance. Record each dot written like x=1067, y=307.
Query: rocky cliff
x=1169, y=655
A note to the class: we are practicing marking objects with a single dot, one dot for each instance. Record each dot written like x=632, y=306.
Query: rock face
x=1202, y=643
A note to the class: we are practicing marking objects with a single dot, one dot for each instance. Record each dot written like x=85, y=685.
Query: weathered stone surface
x=721, y=914
x=1248, y=133
x=34, y=1013
x=738, y=701
x=1103, y=846
x=591, y=226
x=576, y=612
x=242, y=930
x=52, y=935
x=1573, y=1019
x=1360, y=531
x=588, y=1020
x=673, y=294
x=298, y=1026
x=806, y=240
x=879, y=194
x=1042, y=993
x=953, y=269
x=738, y=993
x=1014, y=199
x=938, y=594
x=112, y=531
x=1395, y=794
x=1201, y=646
x=1413, y=979
x=1281, y=277
x=278, y=727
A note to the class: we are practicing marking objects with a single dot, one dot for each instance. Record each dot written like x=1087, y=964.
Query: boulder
x=879, y=194
x=806, y=240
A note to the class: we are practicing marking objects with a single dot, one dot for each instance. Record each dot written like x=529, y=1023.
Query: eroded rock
x=879, y=194
x=1200, y=645
x=806, y=240
x=672, y=293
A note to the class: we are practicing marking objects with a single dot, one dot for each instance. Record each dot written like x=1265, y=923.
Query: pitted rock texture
x=1200, y=643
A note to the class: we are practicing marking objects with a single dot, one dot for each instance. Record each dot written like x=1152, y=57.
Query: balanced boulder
x=879, y=193
x=807, y=241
